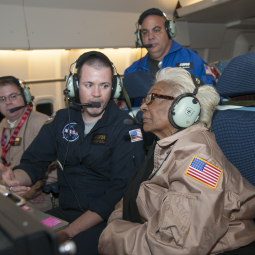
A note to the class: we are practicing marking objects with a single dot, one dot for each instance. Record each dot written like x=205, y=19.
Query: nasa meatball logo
x=73, y=135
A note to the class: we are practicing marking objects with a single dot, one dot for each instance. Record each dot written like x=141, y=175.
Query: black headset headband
x=89, y=54
x=152, y=11
x=14, y=79
x=197, y=81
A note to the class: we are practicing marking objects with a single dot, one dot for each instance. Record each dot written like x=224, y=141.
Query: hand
x=121, y=104
x=62, y=236
x=38, y=199
x=8, y=177
x=9, y=180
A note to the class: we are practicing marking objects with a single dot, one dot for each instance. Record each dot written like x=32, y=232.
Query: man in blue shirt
x=156, y=35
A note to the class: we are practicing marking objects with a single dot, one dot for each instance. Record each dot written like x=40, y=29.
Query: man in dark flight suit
x=98, y=152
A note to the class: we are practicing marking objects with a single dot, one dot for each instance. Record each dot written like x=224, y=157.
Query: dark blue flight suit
x=98, y=166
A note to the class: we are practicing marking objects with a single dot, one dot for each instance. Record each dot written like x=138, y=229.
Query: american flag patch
x=136, y=135
x=204, y=172
x=208, y=70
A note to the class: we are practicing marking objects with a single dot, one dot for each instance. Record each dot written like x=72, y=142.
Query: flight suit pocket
x=174, y=219
x=101, y=159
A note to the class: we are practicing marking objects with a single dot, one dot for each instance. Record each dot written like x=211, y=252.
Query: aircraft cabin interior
x=40, y=40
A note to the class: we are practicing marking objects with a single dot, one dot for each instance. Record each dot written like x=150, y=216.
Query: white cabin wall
x=54, y=64
x=37, y=65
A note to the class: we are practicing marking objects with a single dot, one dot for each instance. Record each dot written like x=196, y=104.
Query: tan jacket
x=26, y=135
x=182, y=215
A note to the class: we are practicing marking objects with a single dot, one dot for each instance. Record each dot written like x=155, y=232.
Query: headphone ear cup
x=27, y=95
x=185, y=111
x=172, y=113
x=170, y=28
x=70, y=86
x=76, y=88
x=117, y=84
x=139, y=37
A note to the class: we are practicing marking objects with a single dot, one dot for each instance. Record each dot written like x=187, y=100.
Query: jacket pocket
x=101, y=159
x=174, y=219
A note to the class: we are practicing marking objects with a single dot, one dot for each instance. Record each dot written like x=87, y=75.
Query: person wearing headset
x=97, y=153
x=188, y=198
x=18, y=129
x=156, y=34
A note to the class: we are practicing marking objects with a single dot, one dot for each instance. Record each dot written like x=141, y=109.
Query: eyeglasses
x=11, y=97
x=149, y=98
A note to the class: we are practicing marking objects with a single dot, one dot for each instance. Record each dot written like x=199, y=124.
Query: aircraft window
x=46, y=108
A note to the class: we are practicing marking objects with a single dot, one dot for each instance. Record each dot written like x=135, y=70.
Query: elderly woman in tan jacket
x=186, y=198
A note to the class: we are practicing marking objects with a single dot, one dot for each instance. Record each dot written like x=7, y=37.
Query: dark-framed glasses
x=150, y=97
x=11, y=97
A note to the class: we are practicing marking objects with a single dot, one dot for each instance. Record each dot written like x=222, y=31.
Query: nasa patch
x=73, y=135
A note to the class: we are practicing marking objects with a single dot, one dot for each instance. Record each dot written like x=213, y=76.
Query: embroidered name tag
x=186, y=65
x=204, y=172
x=17, y=141
x=100, y=139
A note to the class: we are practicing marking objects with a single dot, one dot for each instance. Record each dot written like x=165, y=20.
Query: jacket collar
x=7, y=125
x=173, y=138
x=174, y=47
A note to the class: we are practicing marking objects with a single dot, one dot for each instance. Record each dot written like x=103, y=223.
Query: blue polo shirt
x=178, y=56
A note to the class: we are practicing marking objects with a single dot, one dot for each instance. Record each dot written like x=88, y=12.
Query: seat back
x=238, y=79
x=235, y=128
x=235, y=134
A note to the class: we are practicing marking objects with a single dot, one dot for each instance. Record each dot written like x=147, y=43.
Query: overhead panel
x=74, y=24
x=217, y=11
x=69, y=24
x=12, y=25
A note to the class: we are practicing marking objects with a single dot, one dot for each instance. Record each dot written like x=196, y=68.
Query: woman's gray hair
x=181, y=82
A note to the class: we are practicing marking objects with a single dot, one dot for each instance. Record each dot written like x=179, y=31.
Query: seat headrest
x=238, y=78
x=138, y=84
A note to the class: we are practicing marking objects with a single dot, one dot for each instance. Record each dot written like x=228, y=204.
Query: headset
x=25, y=93
x=169, y=25
x=185, y=109
x=72, y=83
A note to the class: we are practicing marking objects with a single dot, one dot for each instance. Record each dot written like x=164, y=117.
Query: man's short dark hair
x=10, y=80
x=96, y=62
x=152, y=11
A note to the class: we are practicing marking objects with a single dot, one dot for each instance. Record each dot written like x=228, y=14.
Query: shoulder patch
x=208, y=70
x=51, y=118
x=204, y=172
x=136, y=135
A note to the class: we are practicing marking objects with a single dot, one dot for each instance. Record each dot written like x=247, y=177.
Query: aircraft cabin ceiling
x=217, y=11
x=70, y=24
x=80, y=24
